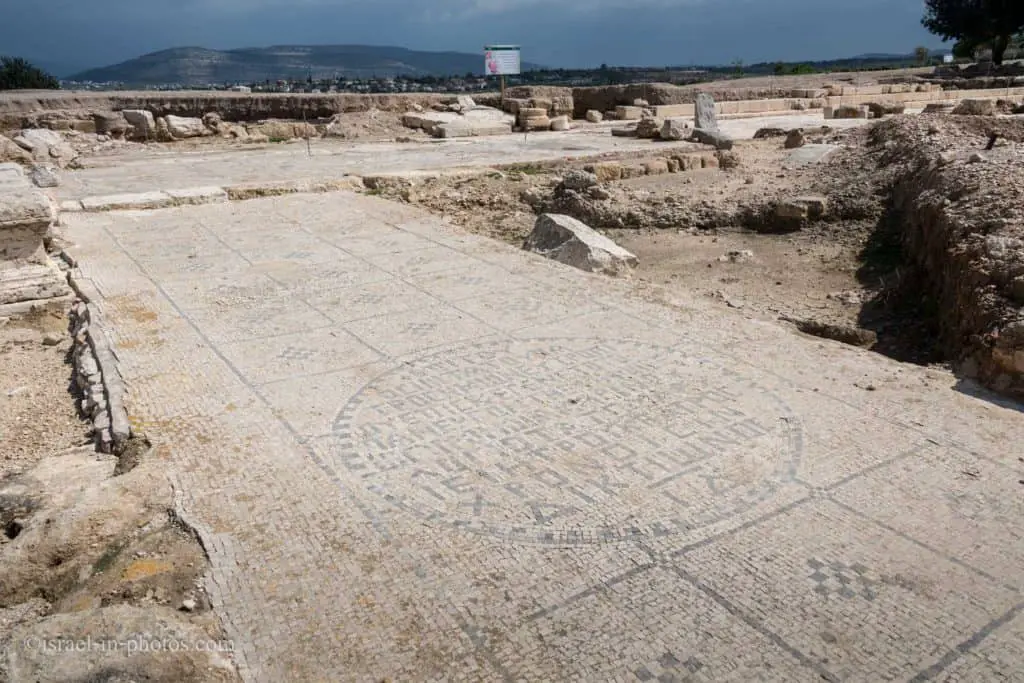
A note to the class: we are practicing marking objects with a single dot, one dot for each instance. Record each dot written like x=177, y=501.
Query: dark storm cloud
x=78, y=35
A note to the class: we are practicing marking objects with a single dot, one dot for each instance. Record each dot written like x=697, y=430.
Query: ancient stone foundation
x=27, y=274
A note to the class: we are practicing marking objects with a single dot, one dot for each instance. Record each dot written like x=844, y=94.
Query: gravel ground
x=38, y=417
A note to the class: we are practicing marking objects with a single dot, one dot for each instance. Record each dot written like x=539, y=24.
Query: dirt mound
x=960, y=212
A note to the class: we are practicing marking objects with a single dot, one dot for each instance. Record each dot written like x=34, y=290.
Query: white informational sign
x=501, y=60
x=947, y=59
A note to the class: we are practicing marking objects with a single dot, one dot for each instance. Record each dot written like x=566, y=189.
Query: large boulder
x=567, y=240
x=142, y=122
x=181, y=127
x=594, y=116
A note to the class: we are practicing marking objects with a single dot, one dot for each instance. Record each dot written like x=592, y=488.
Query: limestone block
x=656, y=167
x=594, y=116
x=181, y=127
x=569, y=241
x=111, y=123
x=536, y=123
x=560, y=123
x=677, y=128
x=468, y=128
x=141, y=200
x=705, y=117
x=715, y=138
x=199, y=195
x=142, y=122
x=626, y=113
x=606, y=171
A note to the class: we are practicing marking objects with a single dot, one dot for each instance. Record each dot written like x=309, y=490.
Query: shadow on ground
x=903, y=313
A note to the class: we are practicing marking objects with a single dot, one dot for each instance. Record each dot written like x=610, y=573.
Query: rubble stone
x=569, y=241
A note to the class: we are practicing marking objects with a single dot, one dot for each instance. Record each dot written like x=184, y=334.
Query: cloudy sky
x=72, y=34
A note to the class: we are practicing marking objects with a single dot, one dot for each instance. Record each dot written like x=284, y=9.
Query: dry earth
x=81, y=547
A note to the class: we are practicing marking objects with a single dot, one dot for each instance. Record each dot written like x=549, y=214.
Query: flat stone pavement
x=146, y=170
x=420, y=455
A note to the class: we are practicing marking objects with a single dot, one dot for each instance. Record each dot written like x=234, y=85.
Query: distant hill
x=199, y=66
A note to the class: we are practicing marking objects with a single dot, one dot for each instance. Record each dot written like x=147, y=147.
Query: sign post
x=502, y=60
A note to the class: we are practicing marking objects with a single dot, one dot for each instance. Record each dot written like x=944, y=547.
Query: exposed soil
x=78, y=542
x=37, y=411
x=698, y=231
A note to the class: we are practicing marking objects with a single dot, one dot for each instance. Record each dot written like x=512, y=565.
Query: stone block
x=532, y=113
x=542, y=103
x=688, y=162
x=560, y=123
x=656, y=167
x=44, y=175
x=606, y=171
x=715, y=138
x=181, y=127
x=626, y=113
x=705, y=114
x=113, y=124
x=569, y=241
x=199, y=195
x=12, y=178
x=467, y=128
x=629, y=132
x=633, y=171
x=138, y=201
x=536, y=123
x=142, y=122
x=708, y=161
x=594, y=116
x=677, y=128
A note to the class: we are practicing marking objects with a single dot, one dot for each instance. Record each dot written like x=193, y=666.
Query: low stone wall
x=97, y=376
x=23, y=109
x=962, y=229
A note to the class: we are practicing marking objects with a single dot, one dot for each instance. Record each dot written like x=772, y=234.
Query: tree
x=976, y=23
x=18, y=74
x=922, y=55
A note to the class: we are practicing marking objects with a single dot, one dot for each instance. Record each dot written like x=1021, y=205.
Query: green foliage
x=18, y=74
x=976, y=23
x=800, y=69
